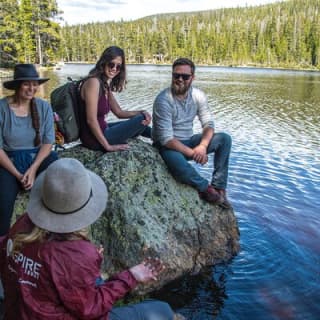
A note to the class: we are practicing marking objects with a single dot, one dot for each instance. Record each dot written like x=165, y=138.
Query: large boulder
x=149, y=213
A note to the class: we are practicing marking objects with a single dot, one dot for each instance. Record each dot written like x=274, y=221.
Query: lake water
x=273, y=117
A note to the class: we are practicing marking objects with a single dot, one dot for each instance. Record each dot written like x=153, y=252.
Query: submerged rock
x=149, y=213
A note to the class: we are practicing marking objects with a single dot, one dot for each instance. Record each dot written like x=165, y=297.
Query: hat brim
x=12, y=84
x=65, y=223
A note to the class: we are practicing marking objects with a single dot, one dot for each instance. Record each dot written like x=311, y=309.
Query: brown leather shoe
x=211, y=195
x=225, y=202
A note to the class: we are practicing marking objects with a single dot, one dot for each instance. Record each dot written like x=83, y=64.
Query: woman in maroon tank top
x=108, y=76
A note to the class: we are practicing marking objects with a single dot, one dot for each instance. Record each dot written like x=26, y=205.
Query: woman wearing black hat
x=26, y=138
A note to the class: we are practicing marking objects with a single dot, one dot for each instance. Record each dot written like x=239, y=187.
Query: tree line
x=29, y=31
x=282, y=34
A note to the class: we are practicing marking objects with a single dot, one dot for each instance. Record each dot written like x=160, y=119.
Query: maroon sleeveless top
x=86, y=136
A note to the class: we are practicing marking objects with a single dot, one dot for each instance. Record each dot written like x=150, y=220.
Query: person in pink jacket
x=49, y=268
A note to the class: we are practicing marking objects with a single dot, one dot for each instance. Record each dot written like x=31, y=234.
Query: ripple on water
x=280, y=287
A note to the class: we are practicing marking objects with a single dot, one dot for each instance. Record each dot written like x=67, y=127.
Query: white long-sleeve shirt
x=173, y=118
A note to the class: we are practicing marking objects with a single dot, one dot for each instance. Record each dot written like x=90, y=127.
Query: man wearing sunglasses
x=174, y=110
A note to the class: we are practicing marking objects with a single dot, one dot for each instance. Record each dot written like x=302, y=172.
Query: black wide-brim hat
x=23, y=72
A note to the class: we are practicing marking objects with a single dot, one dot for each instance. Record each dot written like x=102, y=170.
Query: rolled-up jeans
x=146, y=310
x=179, y=166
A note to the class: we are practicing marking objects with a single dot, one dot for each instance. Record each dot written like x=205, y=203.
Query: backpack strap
x=82, y=81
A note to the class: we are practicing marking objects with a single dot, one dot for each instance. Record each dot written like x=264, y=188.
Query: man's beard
x=179, y=89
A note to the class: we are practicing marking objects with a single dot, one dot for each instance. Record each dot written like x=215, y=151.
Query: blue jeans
x=119, y=132
x=9, y=188
x=146, y=310
x=183, y=171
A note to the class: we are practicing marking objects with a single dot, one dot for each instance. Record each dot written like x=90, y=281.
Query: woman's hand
x=148, y=270
x=28, y=178
x=100, y=250
x=147, y=118
x=117, y=147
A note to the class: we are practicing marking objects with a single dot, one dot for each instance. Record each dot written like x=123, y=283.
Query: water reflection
x=196, y=296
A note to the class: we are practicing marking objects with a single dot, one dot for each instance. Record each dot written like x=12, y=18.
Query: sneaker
x=211, y=195
x=225, y=202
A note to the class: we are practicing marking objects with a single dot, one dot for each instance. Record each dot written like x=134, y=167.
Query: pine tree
x=8, y=28
x=39, y=32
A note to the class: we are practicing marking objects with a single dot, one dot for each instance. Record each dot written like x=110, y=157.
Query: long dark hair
x=119, y=81
x=35, y=121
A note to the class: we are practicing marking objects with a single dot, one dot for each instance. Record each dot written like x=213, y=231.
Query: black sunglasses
x=111, y=65
x=184, y=76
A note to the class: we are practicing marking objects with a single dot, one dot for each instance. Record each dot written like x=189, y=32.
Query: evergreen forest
x=282, y=34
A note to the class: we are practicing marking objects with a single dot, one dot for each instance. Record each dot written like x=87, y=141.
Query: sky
x=84, y=11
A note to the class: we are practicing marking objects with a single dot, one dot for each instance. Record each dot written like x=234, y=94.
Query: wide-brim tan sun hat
x=67, y=197
x=23, y=72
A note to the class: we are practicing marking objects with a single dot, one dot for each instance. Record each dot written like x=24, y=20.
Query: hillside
x=283, y=34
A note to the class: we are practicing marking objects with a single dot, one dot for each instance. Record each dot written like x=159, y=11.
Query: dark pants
x=119, y=132
x=146, y=310
x=183, y=171
x=9, y=188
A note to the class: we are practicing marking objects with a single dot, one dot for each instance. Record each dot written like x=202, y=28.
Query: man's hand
x=200, y=154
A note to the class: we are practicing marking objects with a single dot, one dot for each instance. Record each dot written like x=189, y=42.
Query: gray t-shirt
x=17, y=133
x=174, y=119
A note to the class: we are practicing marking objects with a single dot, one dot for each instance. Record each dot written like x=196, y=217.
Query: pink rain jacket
x=57, y=279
